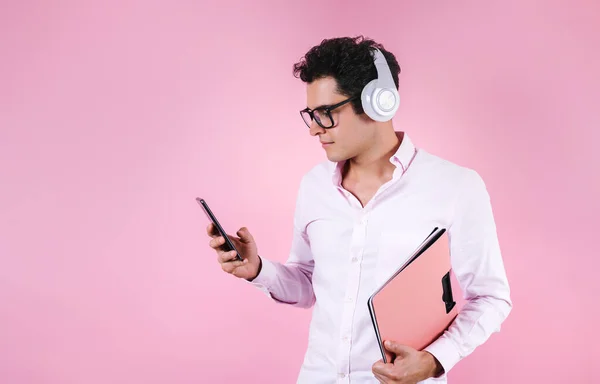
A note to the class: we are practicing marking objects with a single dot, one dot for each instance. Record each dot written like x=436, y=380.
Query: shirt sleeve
x=479, y=268
x=291, y=282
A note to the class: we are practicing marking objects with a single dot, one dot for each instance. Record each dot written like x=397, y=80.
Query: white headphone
x=380, y=98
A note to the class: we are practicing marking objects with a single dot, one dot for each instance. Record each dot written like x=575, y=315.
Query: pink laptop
x=418, y=303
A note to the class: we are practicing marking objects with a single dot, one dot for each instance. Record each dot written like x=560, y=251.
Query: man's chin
x=335, y=158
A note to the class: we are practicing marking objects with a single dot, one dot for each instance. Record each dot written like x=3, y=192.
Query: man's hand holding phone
x=249, y=267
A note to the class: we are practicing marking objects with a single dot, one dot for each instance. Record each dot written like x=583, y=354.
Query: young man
x=361, y=213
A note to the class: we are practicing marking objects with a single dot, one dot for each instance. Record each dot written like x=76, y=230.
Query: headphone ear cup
x=366, y=98
x=388, y=101
x=372, y=95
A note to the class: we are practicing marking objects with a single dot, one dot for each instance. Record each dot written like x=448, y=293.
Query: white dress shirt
x=341, y=252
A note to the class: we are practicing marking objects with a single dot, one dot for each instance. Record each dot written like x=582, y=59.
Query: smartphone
x=228, y=246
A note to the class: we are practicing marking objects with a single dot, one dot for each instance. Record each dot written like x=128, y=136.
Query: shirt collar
x=401, y=159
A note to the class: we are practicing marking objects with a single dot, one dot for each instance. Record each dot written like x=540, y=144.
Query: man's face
x=350, y=132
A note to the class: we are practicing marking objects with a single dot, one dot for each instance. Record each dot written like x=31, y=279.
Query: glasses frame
x=327, y=110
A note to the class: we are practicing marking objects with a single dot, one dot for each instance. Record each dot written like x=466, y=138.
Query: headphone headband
x=380, y=98
x=384, y=75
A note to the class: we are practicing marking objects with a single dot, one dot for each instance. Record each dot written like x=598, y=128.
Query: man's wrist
x=258, y=270
x=434, y=367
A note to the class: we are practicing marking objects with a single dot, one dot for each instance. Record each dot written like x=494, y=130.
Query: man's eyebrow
x=320, y=106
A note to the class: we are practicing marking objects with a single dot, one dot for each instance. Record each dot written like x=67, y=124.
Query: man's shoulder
x=319, y=173
x=445, y=170
x=428, y=160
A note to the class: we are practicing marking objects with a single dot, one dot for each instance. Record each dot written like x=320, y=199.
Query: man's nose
x=315, y=128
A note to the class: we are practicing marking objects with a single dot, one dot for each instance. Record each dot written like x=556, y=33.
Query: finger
x=386, y=378
x=245, y=235
x=377, y=366
x=385, y=370
x=216, y=242
x=231, y=267
x=391, y=357
x=380, y=378
x=228, y=257
x=211, y=230
x=398, y=349
x=239, y=271
x=380, y=368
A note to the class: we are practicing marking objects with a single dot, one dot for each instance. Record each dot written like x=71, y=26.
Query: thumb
x=245, y=235
x=398, y=349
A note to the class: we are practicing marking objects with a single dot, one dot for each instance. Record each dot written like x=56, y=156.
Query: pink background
x=115, y=116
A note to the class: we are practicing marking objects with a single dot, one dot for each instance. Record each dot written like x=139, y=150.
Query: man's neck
x=375, y=164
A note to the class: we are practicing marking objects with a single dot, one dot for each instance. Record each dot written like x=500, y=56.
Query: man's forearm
x=289, y=283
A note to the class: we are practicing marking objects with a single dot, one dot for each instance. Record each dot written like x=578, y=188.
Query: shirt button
x=345, y=339
x=342, y=375
x=354, y=259
x=349, y=299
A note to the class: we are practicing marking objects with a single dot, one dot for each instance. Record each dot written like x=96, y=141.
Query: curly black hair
x=349, y=61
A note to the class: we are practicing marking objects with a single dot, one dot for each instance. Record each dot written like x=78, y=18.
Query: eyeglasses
x=322, y=115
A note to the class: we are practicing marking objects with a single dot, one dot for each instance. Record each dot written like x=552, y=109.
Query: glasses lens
x=323, y=118
x=306, y=117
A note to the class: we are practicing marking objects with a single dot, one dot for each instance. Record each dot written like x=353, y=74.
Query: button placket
x=357, y=248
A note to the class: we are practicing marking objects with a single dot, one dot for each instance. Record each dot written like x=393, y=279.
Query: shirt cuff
x=445, y=351
x=266, y=276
